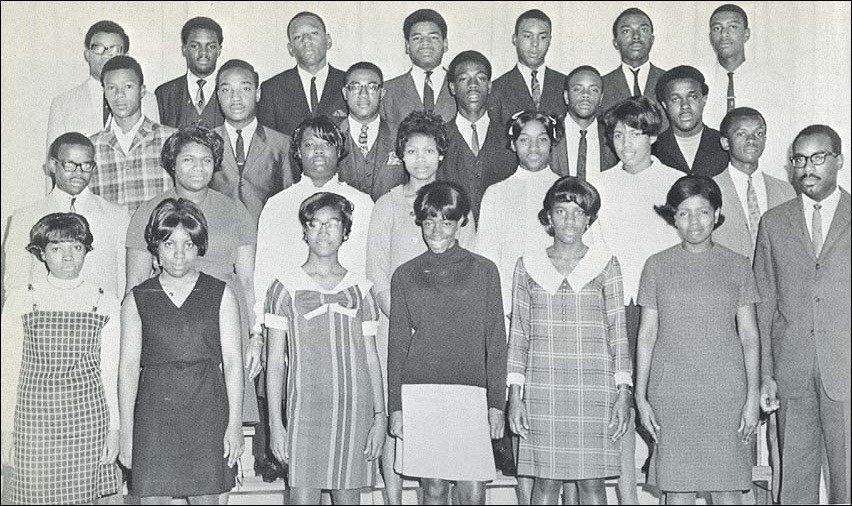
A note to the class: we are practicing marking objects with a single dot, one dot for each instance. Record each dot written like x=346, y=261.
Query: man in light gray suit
x=425, y=85
x=747, y=191
x=802, y=267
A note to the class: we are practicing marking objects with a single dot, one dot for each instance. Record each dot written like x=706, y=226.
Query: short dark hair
x=123, y=62
x=421, y=122
x=467, y=56
x=581, y=68
x=533, y=14
x=317, y=201
x=570, y=189
x=200, y=23
x=59, y=227
x=238, y=64
x=304, y=14
x=169, y=215
x=421, y=15
x=678, y=73
x=736, y=114
x=107, y=26
x=364, y=65
x=825, y=130
x=72, y=139
x=636, y=112
x=691, y=186
x=441, y=199
x=191, y=134
x=736, y=9
x=323, y=128
x=519, y=120
x=632, y=11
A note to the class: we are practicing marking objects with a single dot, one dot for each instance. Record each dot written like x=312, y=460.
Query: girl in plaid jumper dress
x=60, y=343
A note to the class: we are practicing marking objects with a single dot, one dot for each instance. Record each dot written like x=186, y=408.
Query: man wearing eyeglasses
x=191, y=98
x=371, y=165
x=802, y=266
x=83, y=108
x=71, y=163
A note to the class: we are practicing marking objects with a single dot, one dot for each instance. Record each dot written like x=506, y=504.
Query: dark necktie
x=474, y=140
x=816, y=229
x=731, y=96
x=73, y=208
x=581, y=155
x=636, y=91
x=199, y=97
x=535, y=86
x=241, y=151
x=362, y=140
x=314, y=97
x=428, y=92
x=106, y=111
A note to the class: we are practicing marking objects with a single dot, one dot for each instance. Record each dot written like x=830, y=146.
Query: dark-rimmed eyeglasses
x=800, y=161
x=372, y=88
x=100, y=49
x=71, y=167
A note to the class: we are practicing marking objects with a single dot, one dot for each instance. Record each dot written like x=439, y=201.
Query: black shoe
x=269, y=471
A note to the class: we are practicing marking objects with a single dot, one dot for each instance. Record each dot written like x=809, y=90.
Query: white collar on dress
x=542, y=271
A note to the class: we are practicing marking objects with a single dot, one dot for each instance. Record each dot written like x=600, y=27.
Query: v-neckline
x=191, y=293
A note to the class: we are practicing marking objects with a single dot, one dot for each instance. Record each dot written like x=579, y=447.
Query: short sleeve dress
x=329, y=393
x=697, y=383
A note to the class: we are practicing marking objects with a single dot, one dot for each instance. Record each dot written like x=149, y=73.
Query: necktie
x=241, y=150
x=731, y=96
x=106, y=112
x=362, y=140
x=474, y=140
x=314, y=97
x=535, y=86
x=73, y=208
x=636, y=91
x=581, y=155
x=428, y=92
x=753, y=211
x=199, y=97
x=816, y=229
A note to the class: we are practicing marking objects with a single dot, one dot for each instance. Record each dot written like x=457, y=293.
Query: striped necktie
x=753, y=210
x=362, y=140
x=428, y=92
x=535, y=87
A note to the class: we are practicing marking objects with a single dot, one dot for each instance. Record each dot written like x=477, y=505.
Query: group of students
x=386, y=300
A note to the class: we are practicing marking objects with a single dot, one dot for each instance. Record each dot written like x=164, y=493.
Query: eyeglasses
x=332, y=224
x=800, y=161
x=100, y=49
x=71, y=167
x=372, y=88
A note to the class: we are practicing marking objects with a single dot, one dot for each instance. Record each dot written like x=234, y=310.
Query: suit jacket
x=283, y=104
x=376, y=173
x=266, y=172
x=494, y=163
x=177, y=106
x=401, y=99
x=710, y=160
x=616, y=88
x=510, y=94
x=734, y=233
x=560, y=164
x=805, y=308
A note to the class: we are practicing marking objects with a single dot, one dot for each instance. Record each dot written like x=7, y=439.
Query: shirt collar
x=643, y=69
x=246, y=131
x=741, y=178
x=527, y=73
x=542, y=271
x=308, y=182
x=419, y=75
x=59, y=195
x=116, y=130
x=829, y=206
x=481, y=125
x=572, y=126
x=306, y=76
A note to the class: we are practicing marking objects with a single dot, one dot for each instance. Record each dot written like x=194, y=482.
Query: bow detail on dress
x=312, y=304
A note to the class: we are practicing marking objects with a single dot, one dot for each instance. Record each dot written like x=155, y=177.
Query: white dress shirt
x=192, y=85
x=593, y=146
x=437, y=78
x=372, y=131
x=247, y=133
x=644, y=69
x=829, y=207
x=466, y=130
x=740, y=180
x=526, y=72
x=306, y=76
x=125, y=139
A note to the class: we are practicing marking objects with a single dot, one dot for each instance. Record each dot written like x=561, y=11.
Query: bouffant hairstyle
x=169, y=215
x=519, y=120
x=187, y=135
x=422, y=123
x=690, y=186
x=636, y=112
x=570, y=189
x=323, y=128
x=317, y=201
x=441, y=199
x=59, y=227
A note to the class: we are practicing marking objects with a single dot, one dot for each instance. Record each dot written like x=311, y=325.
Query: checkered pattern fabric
x=61, y=418
x=129, y=179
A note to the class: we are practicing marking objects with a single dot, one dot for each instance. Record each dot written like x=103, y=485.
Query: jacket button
x=818, y=266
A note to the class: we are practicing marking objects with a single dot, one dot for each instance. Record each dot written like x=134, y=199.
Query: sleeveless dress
x=181, y=406
x=61, y=417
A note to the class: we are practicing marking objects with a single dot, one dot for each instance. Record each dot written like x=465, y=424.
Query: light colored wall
x=42, y=52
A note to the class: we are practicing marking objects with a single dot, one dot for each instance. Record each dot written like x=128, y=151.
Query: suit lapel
x=409, y=93
x=839, y=223
x=726, y=184
x=519, y=87
x=257, y=147
x=796, y=216
x=671, y=145
x=327, y=92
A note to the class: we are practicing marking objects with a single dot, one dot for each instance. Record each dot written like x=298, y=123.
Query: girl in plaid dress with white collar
x=60, y=375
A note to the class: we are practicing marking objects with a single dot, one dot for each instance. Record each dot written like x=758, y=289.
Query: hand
x=648, y=419
x=125, y=450
x=749, y=419
x=233, y=443
x=395, y=424
x=768, y=395
x=620, y=414
x=7, y=441
x=376, y=437
x=497, y=421
x=253, y=358
x=278, y=442
x=518, y=422
x=111, y=447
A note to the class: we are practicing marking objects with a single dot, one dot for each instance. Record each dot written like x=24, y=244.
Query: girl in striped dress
x=322, y=321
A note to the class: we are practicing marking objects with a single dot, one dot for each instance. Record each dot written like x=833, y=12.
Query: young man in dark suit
x=688, y=145
x=530, y=85
x=191, y=98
